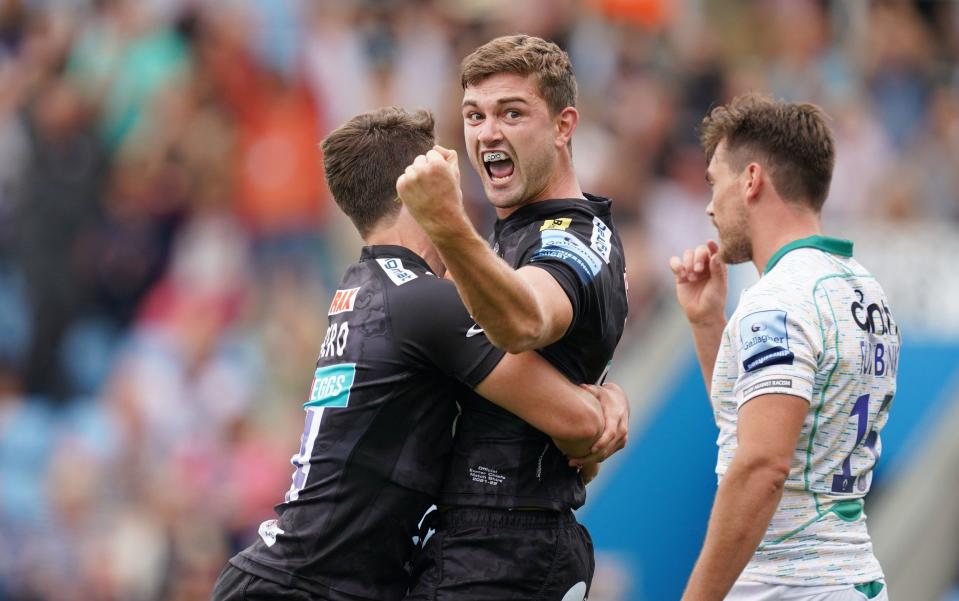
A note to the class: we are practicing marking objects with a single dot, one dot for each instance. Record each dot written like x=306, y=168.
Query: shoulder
x=787, y=294
x=409, y=288
x=792, y=283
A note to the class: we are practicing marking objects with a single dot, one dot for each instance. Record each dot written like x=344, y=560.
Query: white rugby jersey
x=817, y=325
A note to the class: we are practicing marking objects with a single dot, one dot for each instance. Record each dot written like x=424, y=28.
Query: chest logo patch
x=764, y=340
x=562, y=223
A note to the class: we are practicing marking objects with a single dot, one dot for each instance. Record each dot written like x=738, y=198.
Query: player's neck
x=405, y=232
x=779, y=229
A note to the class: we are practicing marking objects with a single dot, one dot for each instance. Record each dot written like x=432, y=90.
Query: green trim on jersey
x=825, y=388
x=847, y=511
x=871, y=589
x=833, y=246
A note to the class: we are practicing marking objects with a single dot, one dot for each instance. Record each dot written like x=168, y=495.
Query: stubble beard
x=735, y=245
x=536, y=175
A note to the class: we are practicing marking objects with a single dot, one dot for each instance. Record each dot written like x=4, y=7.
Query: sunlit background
x=168, y=251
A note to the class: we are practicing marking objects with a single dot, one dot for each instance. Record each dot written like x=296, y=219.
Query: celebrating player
x=802, y=375
x=553, y=281
x=401, y=352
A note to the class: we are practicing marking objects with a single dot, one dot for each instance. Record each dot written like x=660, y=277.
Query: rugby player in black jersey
x=552, y=278
x=400, y=354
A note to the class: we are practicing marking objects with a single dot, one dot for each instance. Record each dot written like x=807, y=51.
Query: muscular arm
x=768, y=429
x=532, y=389
x=519, y=310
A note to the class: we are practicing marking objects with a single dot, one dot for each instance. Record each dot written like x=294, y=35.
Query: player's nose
x=490, y=132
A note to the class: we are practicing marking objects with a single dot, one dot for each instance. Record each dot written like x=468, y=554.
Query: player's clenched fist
x=701, y=283
x=430, y=187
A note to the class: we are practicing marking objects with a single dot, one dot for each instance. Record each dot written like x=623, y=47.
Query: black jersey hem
x=497, y=517
x=284, y=578
x=487, y=501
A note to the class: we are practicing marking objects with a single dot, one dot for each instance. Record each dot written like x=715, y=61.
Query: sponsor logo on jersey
x=474, y=330
x=773, y=383
x=571, y=250
x=331, y=386
x=600, y=241
x=765, y=340
x=268, y=531
x=556, y=224
x=343, y=301
x=396, y=272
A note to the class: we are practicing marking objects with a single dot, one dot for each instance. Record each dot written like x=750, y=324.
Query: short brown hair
x=791, y=138
x=365, y=156
x=525, y=55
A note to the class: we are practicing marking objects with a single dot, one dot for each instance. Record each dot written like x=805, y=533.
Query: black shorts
x=236, y=585
x=484, y=554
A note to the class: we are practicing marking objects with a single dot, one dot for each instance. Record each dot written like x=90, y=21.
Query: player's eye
x=474, y=116
x=513, y=114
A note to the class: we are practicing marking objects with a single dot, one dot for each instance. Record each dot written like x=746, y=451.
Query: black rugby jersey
x=397, y=358
x=498, y=459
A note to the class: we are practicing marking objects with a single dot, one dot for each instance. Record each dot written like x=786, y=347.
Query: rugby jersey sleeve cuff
x=773, y=383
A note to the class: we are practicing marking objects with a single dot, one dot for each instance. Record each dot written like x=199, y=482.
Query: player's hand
x=615, y=434
x=430, y=188
x=588, y=472
x=701, y=284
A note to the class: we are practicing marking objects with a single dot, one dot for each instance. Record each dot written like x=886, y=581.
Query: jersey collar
x=597, y=206
x=833, y=246
x=390, y=251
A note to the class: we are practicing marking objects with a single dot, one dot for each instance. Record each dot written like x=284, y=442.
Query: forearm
x=708, y=337
x=501, y=301
x=527, y=386
x=745, y=503
x=579, y=442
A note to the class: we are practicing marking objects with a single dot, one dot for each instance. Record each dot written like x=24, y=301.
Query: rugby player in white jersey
x=801, y=377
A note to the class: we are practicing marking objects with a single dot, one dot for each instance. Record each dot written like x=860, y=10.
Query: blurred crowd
x=168, y=247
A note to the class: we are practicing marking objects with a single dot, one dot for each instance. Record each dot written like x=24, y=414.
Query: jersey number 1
x=844, y=482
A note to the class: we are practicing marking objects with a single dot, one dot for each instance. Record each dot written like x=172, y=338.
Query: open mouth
x=499, y=166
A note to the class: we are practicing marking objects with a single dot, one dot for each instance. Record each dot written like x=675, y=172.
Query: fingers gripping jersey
x=816, y=326
x=499, y=460
x=378, y=431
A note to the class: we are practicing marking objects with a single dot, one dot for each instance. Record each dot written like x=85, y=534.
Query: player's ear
x=566, y=122
x=753, y=181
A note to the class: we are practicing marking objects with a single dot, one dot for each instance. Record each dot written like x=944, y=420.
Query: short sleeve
x=432, y=328
x=573, y=253
x=777, y=346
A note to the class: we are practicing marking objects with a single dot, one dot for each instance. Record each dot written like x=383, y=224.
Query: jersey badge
x=562, y=223
x=601, y=239
x=343, y=301
x=268, y=531
x=569, y=249
x=396, y=272
x=765, y=340
x=331, y=386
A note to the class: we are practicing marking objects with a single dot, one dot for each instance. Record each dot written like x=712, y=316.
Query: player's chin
x=503, y=199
